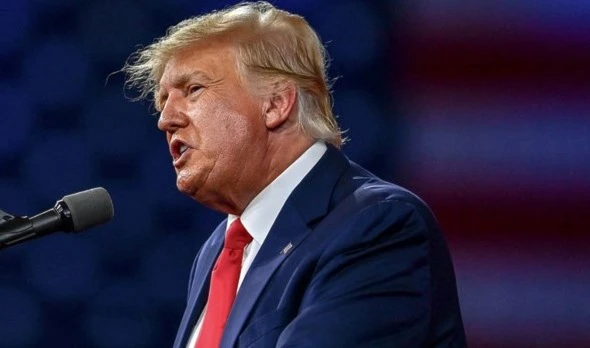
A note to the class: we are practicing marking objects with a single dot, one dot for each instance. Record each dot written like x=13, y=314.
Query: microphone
x=73, y=213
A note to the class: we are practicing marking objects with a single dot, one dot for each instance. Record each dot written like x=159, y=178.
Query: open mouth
x=177, y=149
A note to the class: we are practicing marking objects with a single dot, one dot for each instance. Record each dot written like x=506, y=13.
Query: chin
x=184, y=189
x=192, y=186
x=186, y=184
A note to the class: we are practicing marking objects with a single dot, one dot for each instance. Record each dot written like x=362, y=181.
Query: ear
x=280, y=105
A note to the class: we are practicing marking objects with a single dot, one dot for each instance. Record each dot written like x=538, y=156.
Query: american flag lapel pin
x=287, y=248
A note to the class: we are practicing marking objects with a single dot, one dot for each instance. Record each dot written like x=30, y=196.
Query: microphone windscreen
x=89, y=208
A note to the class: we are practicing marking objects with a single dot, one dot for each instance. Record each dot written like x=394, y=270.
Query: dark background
x=482, y=108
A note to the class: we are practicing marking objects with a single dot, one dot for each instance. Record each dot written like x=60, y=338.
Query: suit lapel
x=200, y=287
x=289, y=230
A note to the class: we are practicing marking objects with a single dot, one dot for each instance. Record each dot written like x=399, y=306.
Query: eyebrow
x=184, y=78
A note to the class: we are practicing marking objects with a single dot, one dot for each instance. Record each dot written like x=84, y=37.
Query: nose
x=173, y=115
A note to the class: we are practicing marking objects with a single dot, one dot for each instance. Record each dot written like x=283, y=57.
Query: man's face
x=214, y=125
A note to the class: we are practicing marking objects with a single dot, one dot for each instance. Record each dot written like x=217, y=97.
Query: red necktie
x=224, y=285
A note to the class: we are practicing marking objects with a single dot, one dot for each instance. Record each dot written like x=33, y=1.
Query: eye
x=194, y=88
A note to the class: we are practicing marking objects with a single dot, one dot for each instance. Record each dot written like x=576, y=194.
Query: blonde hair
x=273, y=45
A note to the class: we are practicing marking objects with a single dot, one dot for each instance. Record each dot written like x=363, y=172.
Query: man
x=316, y=251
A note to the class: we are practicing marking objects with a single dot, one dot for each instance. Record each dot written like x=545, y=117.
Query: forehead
x=211, y=59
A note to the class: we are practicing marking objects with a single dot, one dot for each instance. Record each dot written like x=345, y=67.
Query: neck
x=278, y=157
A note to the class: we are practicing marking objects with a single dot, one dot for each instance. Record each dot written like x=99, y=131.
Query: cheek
x=233, y=134
x=233, y=125
x=225, y=126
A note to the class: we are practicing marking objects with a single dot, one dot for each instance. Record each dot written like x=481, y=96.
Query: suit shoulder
x=371, y=192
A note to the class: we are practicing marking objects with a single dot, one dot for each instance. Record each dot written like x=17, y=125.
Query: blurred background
x=482, y=108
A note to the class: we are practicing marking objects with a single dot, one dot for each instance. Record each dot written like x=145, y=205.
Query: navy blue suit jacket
x=351, y=261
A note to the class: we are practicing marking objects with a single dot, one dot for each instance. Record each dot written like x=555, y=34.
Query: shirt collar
x=262, y=211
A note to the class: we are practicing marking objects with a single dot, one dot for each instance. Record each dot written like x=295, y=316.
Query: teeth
x=183, y=148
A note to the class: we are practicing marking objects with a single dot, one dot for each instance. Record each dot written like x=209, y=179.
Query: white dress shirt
x=261, y=213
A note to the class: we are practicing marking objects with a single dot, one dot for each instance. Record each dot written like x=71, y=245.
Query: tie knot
x=237, y=237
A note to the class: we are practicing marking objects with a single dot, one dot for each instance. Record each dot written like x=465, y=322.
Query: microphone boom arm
x=14, y=229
